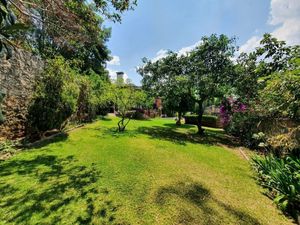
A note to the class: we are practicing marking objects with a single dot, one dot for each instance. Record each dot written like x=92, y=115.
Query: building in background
x=120, y=77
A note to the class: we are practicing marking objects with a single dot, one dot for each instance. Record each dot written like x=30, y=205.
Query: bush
x=281, y=176
x=8, y=148
x=243, y=125
x=55, y=98
x=100, y=96
x=86, y=109
x=286, y=144
x=281, y=95
x=207, y=120
x=93, y=99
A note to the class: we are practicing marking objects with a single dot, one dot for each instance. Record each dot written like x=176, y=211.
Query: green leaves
x=112, y=9
x=8, y=28
x=55, y=98
x=16, y=27
x=281, y=177
x=201, y=74
x=281, y=95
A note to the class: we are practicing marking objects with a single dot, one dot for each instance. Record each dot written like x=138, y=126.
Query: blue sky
x=159, y=25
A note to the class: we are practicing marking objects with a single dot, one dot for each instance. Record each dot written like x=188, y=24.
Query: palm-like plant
x=282, y=177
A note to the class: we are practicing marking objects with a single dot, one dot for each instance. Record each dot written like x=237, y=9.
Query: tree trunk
x=178, y=122
x=199, y=120
x=122, y=125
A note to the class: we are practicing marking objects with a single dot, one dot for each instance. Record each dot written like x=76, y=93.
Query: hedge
x=207, y=120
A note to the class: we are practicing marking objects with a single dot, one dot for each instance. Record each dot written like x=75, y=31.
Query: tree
x=93, y=96
x=55, y=99
x=246, y=84
x=164, y=78
x=274, y=55
x=267, y=80
x=210, y=70
x=253, y=70
x=125, y=97
x=68, y=28
x=201, y=75
x=281, y=95
x=73, y=29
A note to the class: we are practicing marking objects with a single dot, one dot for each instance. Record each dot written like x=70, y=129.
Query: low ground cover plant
x=281, y=177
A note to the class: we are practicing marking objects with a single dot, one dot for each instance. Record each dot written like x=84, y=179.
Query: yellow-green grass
x=154, y=173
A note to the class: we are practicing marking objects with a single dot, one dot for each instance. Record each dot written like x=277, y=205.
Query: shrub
x=100, y=96
x=243, y=125
x=229, y=107
x=86, y=110
x=55, y=98
x=240, y=121
x=94, y=97
x=281, y=95
x=281, y=176
x=286, y=144
x=8, y=147
x=207, y=120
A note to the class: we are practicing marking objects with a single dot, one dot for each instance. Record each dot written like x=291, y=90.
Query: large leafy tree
x=246, y=84
x=70, y=28
x=164, y=78
x=55, y=99
x=281, y=95
x=201, y=75
x=267, y=80
x=209, y=69
x=254, y=69
x=274, y=55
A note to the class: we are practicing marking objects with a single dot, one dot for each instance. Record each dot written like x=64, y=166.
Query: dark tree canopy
x=71, y=28
x=202, y=74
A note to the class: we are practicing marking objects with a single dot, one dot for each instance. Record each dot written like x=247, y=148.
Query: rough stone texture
x=17, y=79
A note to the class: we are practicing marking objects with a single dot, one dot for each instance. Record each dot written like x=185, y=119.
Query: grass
x=155, y=173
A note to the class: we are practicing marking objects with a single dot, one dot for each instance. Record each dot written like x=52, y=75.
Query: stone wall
x=17, y=79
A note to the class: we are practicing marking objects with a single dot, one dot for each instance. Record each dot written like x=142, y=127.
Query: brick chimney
x=120, y=77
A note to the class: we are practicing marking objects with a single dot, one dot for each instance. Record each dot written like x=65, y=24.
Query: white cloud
x=113, y=74
x=187, y=49
x=285, y=15
x=284, y=10
x=115, y=61
x=250, y=45
x=183, y=51
x=160, y=54
x=289, y=32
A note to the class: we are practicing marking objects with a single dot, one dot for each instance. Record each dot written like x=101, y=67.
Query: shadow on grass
x=105, y=118
x=198, y=196
x=113, y=132
x=60, y=137
x=171, y=132
x=53, y=190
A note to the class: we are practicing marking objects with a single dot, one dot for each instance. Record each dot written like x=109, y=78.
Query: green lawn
x=155, y=173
